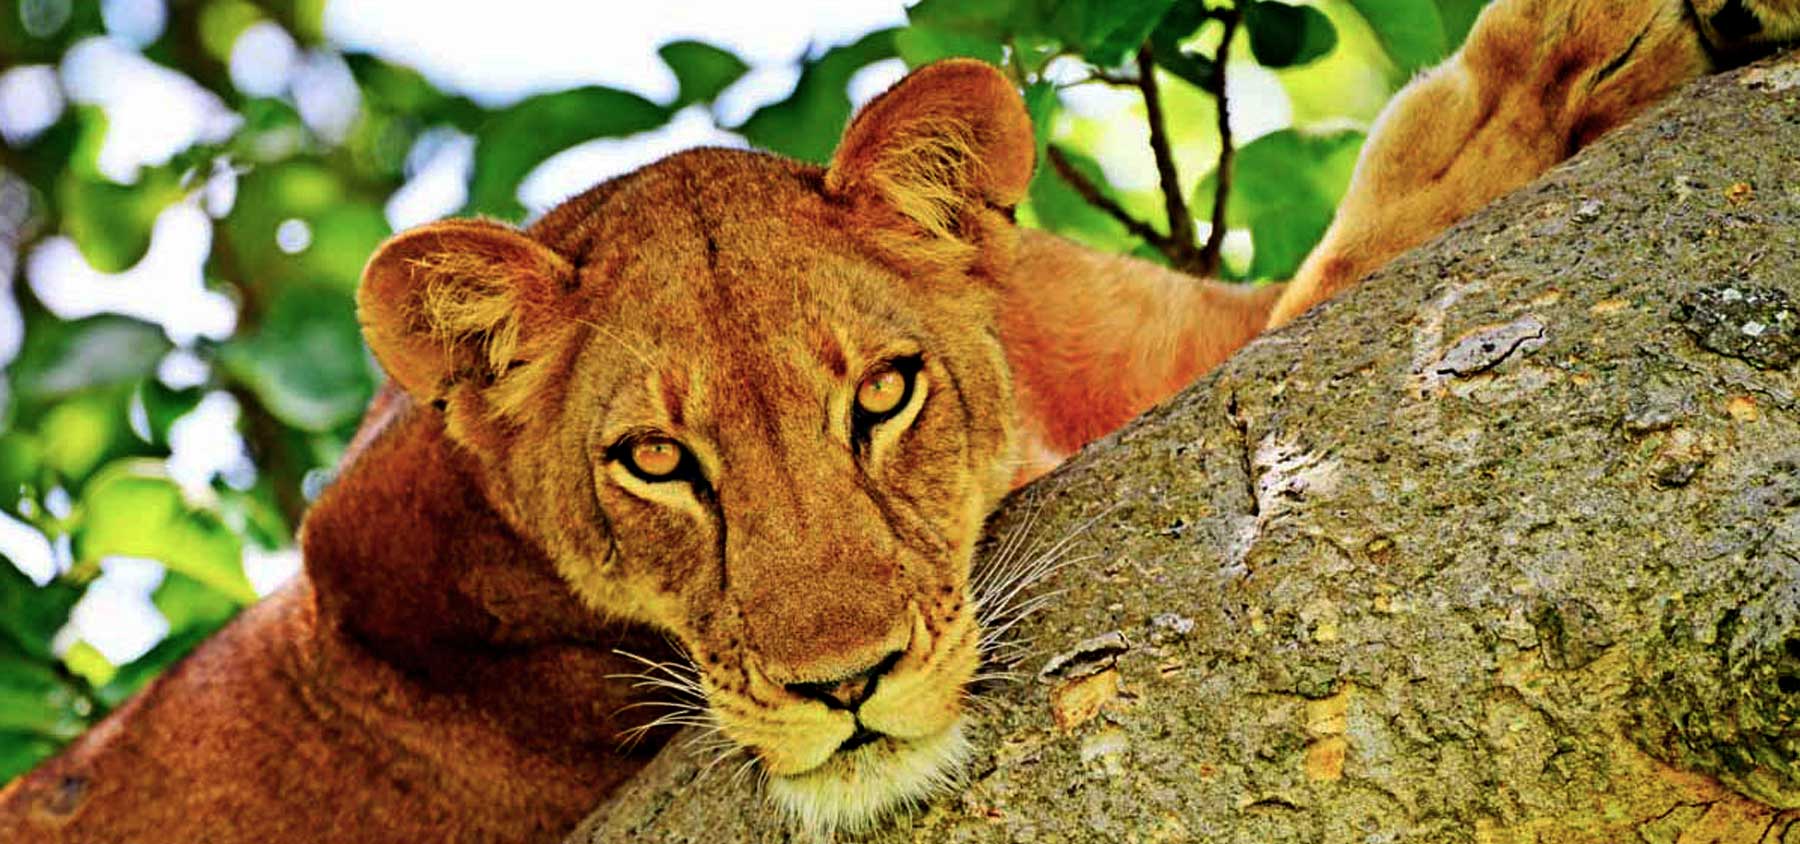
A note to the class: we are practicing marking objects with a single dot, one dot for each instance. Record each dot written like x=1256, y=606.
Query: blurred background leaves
x=182, y=362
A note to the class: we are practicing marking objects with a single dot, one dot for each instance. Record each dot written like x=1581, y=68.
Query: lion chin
x=855, y=789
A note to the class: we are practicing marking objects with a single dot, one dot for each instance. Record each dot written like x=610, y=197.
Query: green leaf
x=87, y=662
x=519, y=138
x=995, y=20
x=109, y=222
x=1284, y=36
x=272, y=128
x=188, y=604
x=35, y=699
x=400, y=90
x=20, y=45
x=920, y=45
x=806, y=125
x=1182, y=21
x=1107, y=32
x=79, y=433
x=31, y=614
x=162, y=406
x=21, y=751
x=1041, y=104
x=62, y=358
x=254, y=514
x=222, y=21
x=1458, y=17
x=344, y=228
x=21, y=459
x=702, y=70
x=1286, y=186
x=342, y=240
x=305, y=361
x=132, y=509
x=1411, y=31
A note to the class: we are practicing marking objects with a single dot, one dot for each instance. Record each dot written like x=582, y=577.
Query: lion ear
x=935, y=164
x=458, y=300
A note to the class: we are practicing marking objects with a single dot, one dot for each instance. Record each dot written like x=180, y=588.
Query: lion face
x=760, y=406
x=796, y=495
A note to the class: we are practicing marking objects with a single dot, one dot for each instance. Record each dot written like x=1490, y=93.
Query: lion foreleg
x=1536, y=81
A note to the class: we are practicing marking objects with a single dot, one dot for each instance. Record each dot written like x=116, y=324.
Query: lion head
x=760, y=405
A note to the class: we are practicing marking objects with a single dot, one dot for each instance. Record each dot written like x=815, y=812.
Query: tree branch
x=1097, y=198
x=1115, y=79
x=1180, y=243
x=1215, y=239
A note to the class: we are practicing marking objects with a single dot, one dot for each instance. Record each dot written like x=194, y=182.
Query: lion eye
x=882, y=394
x=655, y=458
x=881, y=391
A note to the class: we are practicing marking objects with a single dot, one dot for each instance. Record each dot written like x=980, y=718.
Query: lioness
x=763, y=408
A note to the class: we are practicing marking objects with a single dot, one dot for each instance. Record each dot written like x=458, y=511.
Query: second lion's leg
x=1535, y=81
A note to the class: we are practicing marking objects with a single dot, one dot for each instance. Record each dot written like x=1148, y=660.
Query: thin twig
x=1180, y=244
x=1118, y=79
x=1215, y=239
x=1097, y=198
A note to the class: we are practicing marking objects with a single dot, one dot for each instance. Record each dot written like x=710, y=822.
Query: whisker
x=1003, y=594
x=737, y=775
x=1040, y=565
x=1000, y=591
x=681, y=718
x=684, y=669
x=1000, y=562
x=686, y=690
x=678, y=705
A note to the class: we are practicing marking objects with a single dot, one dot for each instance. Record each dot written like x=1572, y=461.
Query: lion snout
x=805, y=637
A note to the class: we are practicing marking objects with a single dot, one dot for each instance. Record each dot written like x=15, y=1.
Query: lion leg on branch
x=1536, y=81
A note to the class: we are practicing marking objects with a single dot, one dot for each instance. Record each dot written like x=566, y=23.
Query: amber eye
x=882, y=394
x=881, y=391
x=655, y=458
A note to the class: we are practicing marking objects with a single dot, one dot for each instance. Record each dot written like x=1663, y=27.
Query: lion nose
x=847, y=692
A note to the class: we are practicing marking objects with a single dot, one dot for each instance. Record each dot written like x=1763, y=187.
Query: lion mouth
x=870, y=776
x=861, y=737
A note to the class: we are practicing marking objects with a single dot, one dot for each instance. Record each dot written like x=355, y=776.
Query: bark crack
x=1246, y=451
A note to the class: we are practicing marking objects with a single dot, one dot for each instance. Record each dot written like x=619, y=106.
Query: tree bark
x=1502, y=546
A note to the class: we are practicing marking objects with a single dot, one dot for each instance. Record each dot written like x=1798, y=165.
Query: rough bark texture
x=1503, y=546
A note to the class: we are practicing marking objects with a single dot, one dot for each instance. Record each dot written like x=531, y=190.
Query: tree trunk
x=1503, y=546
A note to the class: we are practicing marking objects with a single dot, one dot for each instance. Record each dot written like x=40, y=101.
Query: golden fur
x=445, y=669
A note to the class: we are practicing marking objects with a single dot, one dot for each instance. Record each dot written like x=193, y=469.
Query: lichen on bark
x=1495, y=548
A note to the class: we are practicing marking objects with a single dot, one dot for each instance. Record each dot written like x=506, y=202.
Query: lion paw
x=1736, y=23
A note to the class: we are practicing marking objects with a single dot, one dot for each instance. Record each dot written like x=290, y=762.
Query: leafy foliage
x=98, y=406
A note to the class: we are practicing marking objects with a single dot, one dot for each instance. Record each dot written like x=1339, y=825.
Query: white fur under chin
x=852, y=791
